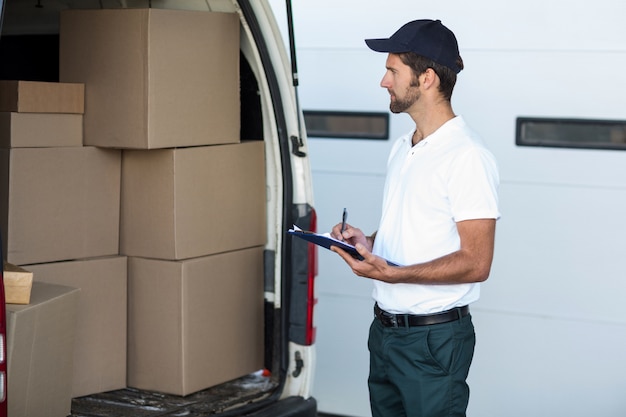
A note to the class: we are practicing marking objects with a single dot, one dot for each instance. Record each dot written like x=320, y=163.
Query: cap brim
x=386, y=45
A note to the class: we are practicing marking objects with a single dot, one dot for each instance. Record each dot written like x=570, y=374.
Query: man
x=438, y=221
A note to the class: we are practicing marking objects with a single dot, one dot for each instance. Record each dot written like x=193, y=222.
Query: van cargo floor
x=138, y=403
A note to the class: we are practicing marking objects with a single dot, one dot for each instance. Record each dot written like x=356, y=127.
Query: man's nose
x=384, y=82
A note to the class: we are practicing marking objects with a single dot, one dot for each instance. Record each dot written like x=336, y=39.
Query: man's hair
x=419, y=64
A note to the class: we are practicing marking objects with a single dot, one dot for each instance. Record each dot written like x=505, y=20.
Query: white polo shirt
x=447, y=177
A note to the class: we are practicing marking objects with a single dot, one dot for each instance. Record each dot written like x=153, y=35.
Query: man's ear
x=429, y=78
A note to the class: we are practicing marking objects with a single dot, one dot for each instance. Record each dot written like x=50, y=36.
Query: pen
x=344, y=217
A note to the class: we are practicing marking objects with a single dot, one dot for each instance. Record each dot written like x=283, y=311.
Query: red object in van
x=3, y=343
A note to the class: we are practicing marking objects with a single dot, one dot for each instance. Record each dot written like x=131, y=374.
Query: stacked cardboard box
x=40, y=345
x=195, y=323
x=38, y=114
x=60, y=206
x=154, y=78
x=163, y=86
x=190, y=202
x=99, y=360
x=60, y=200
x=60, y=203
x=193, y=226
x=42, y=97
x=18, y=283
x=160, y=141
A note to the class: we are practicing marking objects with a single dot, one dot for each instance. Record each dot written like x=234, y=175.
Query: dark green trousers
x=420, y=371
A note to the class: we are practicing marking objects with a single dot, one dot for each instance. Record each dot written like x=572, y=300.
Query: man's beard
x=412, y=94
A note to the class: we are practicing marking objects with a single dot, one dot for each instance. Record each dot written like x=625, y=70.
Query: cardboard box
x=40, y=345
x=190, y=202
x=100, y=348
x=196, y=323
x=155, y=78
x=40, y=130
x=41, y=97
x=59, y=204
x=18, y=283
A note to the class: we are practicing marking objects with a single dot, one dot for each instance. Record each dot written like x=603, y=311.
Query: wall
x=551, y=323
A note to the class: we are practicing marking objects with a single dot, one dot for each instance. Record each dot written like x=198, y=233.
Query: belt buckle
x=394, y=320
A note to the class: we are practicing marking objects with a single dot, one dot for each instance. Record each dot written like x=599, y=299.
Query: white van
x=29, y=50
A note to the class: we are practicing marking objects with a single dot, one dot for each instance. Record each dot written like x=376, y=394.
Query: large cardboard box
x=100, y=348
x=18, y=283
x=59, y=203
x=40, y=130
x=190, y=202
x=194, y=323
x=41, y=97
x=40, y=345
x=154, y=78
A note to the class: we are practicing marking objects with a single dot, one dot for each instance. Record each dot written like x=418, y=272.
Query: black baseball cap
x=425, y=37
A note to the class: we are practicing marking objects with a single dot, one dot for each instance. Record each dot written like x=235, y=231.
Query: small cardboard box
x=189, y=202
x=40, y=346
x=40, y=130
x=42, y=97
x=100, y=348
x=59, y=204
x=155, y=78
x=196, y=323
x=18, y=283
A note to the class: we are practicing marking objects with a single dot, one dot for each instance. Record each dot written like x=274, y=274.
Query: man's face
x=402, y=85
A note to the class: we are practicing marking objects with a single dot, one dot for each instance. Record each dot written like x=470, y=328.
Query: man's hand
x=353, y=236
x=371, y=266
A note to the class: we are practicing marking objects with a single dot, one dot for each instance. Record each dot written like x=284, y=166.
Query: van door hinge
x=296, y=144
x=299, y=365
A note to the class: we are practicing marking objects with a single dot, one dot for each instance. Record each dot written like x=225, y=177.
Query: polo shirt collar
x=435, y=137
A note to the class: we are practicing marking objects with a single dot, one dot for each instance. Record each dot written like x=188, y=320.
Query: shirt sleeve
x=473, y=182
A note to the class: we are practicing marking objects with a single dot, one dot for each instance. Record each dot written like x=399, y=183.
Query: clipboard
x=326, y=241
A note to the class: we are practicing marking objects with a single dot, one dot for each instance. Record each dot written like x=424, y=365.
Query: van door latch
x=296, y=144
x=299, y=365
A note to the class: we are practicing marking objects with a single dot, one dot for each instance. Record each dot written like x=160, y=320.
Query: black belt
x=410, y=320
